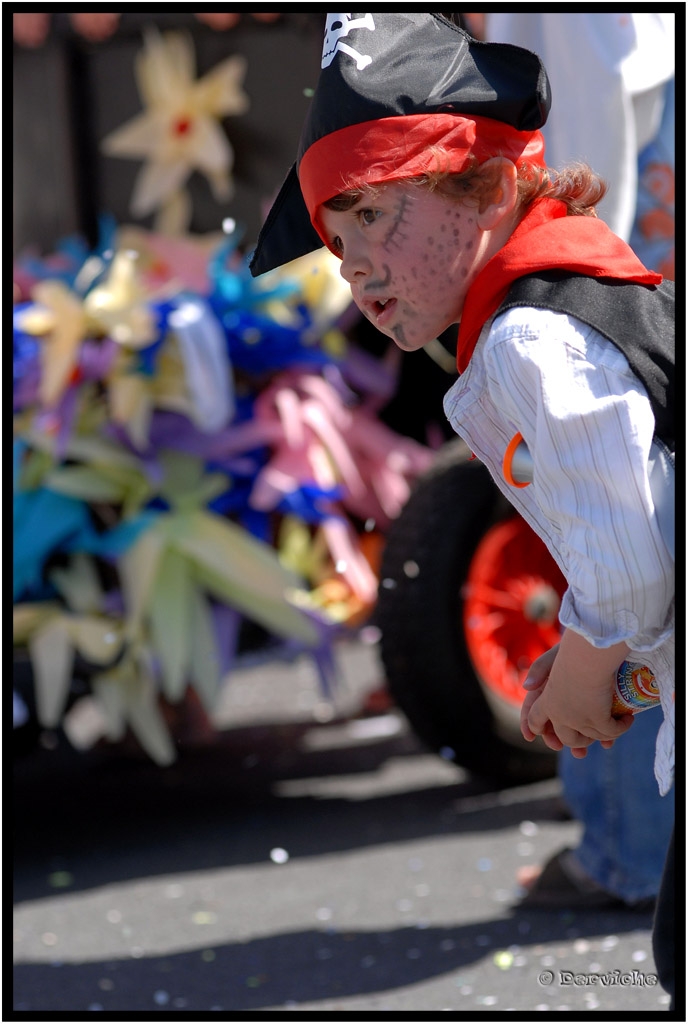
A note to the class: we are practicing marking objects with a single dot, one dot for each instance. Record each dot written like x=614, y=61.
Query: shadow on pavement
x=110, y=817
x=295, y=967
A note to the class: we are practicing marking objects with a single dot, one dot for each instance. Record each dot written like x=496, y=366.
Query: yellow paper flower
x=60, y=320
x=117, y=308
x=179, y=131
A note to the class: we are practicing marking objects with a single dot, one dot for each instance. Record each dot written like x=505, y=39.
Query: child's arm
x=570, y=704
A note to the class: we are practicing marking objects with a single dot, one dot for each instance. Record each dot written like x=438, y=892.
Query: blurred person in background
x=612, y=79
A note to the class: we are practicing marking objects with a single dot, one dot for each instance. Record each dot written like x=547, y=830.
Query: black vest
x=638, y=319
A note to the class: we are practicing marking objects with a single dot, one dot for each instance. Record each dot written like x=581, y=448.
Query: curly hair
x=577, y=185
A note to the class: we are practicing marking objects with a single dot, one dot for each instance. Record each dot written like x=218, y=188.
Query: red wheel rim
x=511, y=601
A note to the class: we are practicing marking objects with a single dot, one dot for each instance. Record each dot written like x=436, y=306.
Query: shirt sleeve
x=589, y=425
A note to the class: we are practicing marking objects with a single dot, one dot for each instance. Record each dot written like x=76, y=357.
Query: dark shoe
x=558, y=887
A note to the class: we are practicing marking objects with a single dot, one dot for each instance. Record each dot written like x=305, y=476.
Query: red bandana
x=394, y=148
x=546, y=239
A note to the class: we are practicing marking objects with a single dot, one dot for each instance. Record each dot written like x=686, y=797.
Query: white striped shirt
x=588, y=424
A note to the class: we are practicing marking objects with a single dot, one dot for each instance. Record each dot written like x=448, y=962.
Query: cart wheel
x=468, y=598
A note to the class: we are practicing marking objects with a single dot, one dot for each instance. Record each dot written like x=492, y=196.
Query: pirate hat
x=391, y=86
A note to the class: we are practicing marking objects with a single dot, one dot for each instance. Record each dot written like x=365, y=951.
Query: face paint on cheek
x=382, y=282
x=399, y=336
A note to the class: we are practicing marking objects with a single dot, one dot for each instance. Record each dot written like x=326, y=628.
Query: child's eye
x=337, y=244
x=368, y=215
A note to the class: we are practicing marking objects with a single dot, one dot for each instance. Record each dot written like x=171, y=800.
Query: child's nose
x=355, y=265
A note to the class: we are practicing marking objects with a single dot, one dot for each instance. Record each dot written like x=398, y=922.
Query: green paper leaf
x=147, y=723
x=127, y=693
x=52, y=657
x=29, y=617
x=79, y=584
x=204, y=662
x=90, y=449
x=276, y=614
x=226, y=547
x=97, y=638
x=183, y=474
x=106, y=688
x=84, y=482
x=138, y=568
x=244, y=573
x=170, y=619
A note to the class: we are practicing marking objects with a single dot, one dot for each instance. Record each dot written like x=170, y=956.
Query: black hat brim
x=287, y=232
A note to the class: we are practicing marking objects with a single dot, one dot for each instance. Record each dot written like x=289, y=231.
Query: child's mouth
x=383, y=310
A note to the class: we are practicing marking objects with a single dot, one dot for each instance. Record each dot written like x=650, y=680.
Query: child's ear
x=504, y=196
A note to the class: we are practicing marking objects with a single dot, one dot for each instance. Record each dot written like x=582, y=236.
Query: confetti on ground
x=504, y=959
x=204, y=917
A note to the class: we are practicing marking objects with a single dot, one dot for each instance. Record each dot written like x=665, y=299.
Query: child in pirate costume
x=421, y=166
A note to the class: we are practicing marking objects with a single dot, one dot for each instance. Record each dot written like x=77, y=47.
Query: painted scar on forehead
x=395, y=233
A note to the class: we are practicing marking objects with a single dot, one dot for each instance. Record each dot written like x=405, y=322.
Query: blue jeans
x=627, y=825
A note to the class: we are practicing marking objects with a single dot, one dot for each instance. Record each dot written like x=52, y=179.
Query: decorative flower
x=200, y=505
x=58, y=318
x=179, y=131
x=116, y=308
x=55, y=633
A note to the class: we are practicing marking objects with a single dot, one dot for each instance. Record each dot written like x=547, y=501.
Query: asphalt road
x=309, y=860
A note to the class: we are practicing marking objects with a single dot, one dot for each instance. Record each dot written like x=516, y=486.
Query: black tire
x=429, y=671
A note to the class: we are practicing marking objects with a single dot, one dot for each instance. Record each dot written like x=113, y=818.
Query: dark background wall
x=69, y=94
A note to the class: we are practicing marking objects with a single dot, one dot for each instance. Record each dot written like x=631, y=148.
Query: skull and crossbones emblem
x=337, y=28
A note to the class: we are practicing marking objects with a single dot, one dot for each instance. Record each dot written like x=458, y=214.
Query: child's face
x=409, y=255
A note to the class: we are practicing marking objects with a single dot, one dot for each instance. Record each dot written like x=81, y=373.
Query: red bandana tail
x=546, y=239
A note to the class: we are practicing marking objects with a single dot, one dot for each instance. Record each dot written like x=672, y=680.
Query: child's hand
x=575, y=718
x=534, y=683
x=569, y=696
